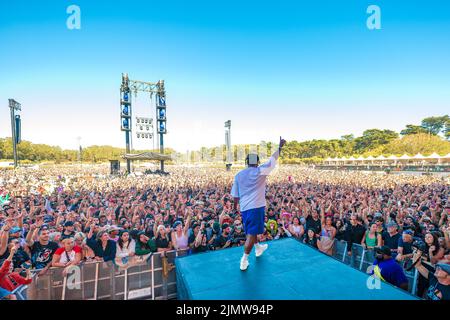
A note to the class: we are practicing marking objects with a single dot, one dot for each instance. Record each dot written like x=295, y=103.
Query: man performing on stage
x=249, y=189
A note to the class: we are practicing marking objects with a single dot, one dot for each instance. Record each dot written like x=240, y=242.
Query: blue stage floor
x=287, y=270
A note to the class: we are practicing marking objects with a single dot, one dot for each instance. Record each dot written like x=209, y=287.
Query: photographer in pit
x=439, y=280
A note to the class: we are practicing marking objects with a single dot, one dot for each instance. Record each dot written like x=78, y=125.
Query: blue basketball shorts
x=253, y=221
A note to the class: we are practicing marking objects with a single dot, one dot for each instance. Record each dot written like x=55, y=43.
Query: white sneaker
x=244, y=264
x=259, y=249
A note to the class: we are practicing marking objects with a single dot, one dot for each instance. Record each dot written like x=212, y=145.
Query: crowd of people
x=63, y=216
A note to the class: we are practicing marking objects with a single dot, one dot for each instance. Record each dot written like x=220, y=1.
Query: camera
x=419, y=245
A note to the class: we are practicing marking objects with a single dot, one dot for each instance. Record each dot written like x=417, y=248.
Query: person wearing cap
x=223, y=240
x=113, y=232
x=179, y=236
x=439, y=281
x=391, y=238
x=387, y=269
x=144, y=245
x=68, y=230
x=405, y=251
x=249, y=191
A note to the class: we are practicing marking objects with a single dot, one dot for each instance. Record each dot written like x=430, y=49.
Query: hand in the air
x=282, y=142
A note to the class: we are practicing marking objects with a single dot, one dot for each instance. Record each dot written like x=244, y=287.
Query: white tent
x=370, y=158
x=352, y=158
x=380, y=157
x=434, y=155
x=360, y=158
x=405, y=157
x=392, y=157
x=419, y=156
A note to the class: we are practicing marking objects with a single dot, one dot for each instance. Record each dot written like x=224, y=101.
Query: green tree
x=373, y=138
x=417, y=143
x=434, y=125
x=413, y=129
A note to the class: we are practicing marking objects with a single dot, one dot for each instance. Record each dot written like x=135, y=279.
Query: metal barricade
x=412, y=277
x=357, y=258
x=367, y=259
x=340, y=250
x=151, y=279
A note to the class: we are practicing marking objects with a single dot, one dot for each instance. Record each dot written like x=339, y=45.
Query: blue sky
x=300, y=69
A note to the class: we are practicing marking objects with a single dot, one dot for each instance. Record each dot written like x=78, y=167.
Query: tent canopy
x=147, y=156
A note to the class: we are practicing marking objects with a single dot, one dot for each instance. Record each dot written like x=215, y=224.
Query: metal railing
x=362, y=259
x=152, y=279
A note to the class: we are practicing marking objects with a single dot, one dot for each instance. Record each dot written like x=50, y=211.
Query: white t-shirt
x=250, y=185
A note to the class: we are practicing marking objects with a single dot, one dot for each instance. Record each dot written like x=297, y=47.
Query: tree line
x=431, y=135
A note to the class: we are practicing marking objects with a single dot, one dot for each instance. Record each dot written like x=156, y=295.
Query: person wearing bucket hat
x=387, y=269
x=439, y=281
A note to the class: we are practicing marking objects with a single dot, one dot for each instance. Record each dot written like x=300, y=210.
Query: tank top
x=325, y=233
x=297, y=229
x=371, y=242
x=182, y=241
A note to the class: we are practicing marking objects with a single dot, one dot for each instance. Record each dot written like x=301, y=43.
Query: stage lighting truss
x=144, y=127
x=161, y=115
x=125, y=111
x=144, y=135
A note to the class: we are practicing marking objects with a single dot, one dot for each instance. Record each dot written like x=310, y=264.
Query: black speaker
x=115, y=166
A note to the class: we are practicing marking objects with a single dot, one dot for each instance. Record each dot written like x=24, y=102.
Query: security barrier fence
x=153, y=279
x=362, y=259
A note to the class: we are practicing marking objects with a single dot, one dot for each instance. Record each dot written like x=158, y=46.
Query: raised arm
x=31, y=235
x=4, y=235
x=267, y=167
